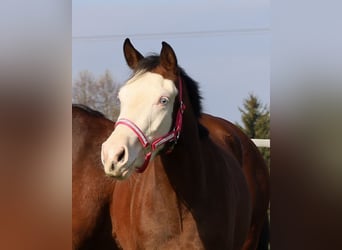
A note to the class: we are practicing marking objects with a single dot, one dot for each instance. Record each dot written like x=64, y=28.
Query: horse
x=90, y=128
x=91, y=190
x=177, y=187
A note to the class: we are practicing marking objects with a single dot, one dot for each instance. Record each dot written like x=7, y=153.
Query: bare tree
x=106, y=98
x=99, y=94
x=83, y=87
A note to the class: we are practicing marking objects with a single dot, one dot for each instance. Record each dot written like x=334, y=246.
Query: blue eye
x=163, y=100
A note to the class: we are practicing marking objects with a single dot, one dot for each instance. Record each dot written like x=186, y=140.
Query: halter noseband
x=172, y=136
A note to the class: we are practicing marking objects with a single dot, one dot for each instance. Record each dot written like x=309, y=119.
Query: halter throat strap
x=171, y=136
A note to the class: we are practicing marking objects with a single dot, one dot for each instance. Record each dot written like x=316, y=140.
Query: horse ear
x=132, y=56
x=168, y=57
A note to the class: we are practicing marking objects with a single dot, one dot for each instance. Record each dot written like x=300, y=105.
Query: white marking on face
x=147, y=100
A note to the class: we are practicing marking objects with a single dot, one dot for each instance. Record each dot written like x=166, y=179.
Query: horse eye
x=164, y=100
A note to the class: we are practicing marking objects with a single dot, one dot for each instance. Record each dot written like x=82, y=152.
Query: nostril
x=112, y=167
x=121, y=155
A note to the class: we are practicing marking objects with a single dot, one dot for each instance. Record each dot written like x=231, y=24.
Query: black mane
x=151, y=62
x=193, y=91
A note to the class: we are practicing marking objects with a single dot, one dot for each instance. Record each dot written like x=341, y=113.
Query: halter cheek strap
x=172, y=136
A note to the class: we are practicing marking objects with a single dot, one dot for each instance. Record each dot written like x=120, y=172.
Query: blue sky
x=224, y=45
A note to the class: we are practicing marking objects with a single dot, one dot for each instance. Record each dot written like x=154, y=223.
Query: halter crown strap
x=172, y=136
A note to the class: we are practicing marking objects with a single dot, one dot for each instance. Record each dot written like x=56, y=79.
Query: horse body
x=91, y=190
x=254, y=168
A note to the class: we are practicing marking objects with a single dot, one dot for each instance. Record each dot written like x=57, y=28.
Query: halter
x=171, y=136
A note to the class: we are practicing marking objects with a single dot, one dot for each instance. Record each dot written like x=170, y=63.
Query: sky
x=223, y=45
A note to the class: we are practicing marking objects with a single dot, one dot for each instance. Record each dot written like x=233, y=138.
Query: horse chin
x=123, y=174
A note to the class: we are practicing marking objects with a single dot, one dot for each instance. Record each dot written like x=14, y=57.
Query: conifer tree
x=256, y=122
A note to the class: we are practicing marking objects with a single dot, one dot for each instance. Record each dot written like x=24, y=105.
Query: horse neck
x=184, y=165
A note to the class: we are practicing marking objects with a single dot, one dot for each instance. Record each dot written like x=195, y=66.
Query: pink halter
x=172, y=136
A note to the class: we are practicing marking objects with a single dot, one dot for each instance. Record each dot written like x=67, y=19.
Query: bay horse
x=190, y=192
x=92, y=190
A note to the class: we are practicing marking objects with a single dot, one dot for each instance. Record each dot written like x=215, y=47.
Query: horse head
x=147, y=114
